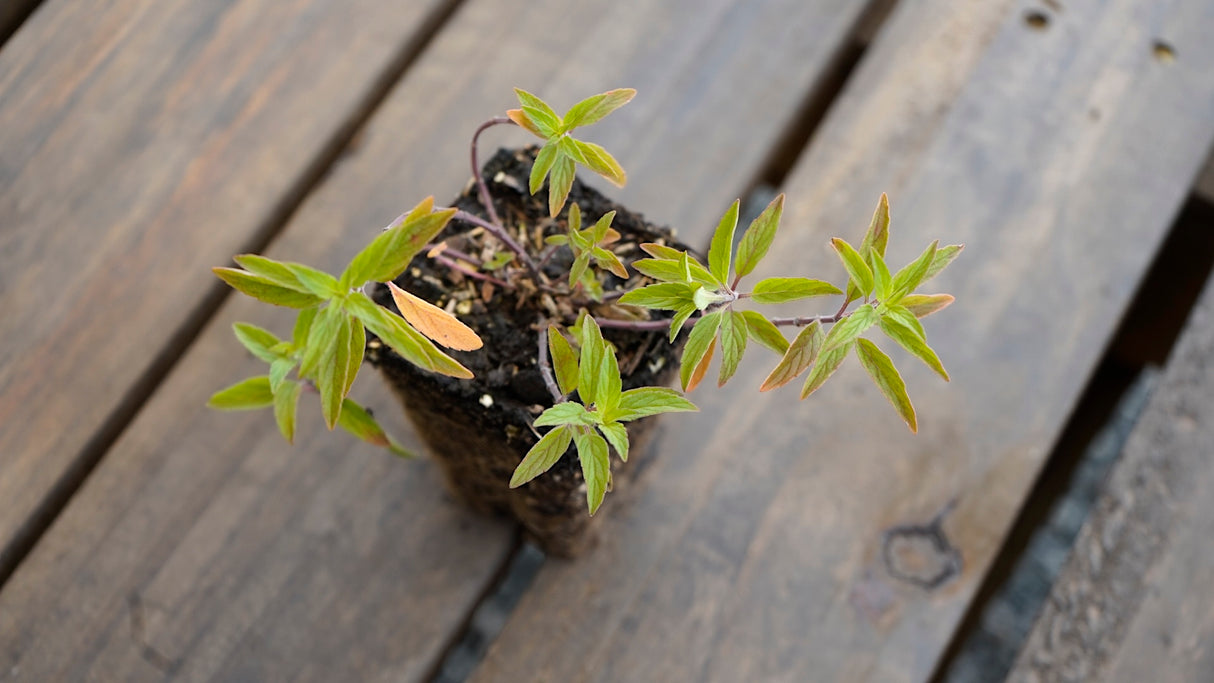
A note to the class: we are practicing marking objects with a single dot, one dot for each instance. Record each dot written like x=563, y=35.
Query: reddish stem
x=486, y=200
x=546, y=367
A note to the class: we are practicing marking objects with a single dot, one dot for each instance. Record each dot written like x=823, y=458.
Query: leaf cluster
x=561, y=152
x=598, y=418
x=589, y=245
x=329, y=337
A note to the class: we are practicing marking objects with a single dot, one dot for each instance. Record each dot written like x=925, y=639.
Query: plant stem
x=546, y=367
x=486, y=200
x=499, y=232
x=453, y=265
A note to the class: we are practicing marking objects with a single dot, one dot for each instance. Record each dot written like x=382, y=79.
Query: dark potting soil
x=479, y=429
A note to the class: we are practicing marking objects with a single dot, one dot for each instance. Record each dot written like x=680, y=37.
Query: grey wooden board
x=1133, y=602
x=205, y=546
x=751, y=550
x=139, y=140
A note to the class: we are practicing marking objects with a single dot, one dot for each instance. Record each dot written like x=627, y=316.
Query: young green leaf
x=407, y=342
x=594, y=350
x=882, y=370
x=331, y=372
x=539, y=112
x=564, y=360
x=875, y=238
x=609, y=261
x=567, y=413
x=733, y=344
x=616, y=435
x=542, y=456
x=778, y=290
x=679, y=318
x=907, y=279
x=594, y=108
x=353, y=357
x=286, y=402
x=859, y=272
x=358, y=421
x=263, y=289
x=661, y=251
x=645, y=401
x=670, y=270
x=248, y=394
x=824, y=366
x=520, y=117
x=596, y=467
x=303, y=326
x=903, y=315
x=799, y=356
x=257, y=340
x=544, y=160
x=609, y=385
x=943, y=257
x=764, y=331
x=668, y=296
x=758, y=237
x=910, y=340
x=698, y=349
x=597, y=159
x=317, y=282
x=559, y=184
x=322, y=340
x=848, y=329
x=387, y=256
x=923, y=305
x=275, y=271
x=279, y=369
x=881, y=276
x=721, y=249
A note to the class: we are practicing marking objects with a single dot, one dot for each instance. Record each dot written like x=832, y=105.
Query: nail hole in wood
x=1163, y=52
x=1036, y=20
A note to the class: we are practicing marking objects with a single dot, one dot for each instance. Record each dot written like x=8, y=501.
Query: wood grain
x=753, y=551
x=1132, y=603
x=139, y=140
x=204, y=547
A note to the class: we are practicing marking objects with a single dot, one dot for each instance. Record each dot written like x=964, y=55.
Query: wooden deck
x=143, y=536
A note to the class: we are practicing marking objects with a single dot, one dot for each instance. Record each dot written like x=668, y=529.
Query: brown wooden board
x=1134, y=602
x=137, y=140
x=752, y=549
x=205, y=546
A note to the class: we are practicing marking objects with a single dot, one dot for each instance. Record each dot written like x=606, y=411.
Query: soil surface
x=481, y=428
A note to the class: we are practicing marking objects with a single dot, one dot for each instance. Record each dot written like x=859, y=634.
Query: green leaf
x=702, y=335
x=875, y=238
x=668, y=296
x=907, y=279
x=661, y=251
x=578, y=269
x=943, y=257
x=303, y=326
x=542, y=456
x=322, y=340
x=286, y=402
x=758, y=237
x=387, y=256
x=848, y=329
x=263, y=289
x=277, y=272
x=923, y=305
x=646, y=401
x=903, y=315
x=359, y=422
x=778, y=290
x=594, y=349
x=564, y=360
x=859, y=272
x=721, y=249
x=279, y=370
x=764, y=331
x=248, y=394
x=882, y=370
x=609, y=385
x=318, y=282
x=824, y=366
x=407, y=342
x=540, y=113
x=909, y=339
x=799, y=356
x=594, y=108
x=331, y=372
x=544, y=160
x=568, y=412
x=596, y=467
x=559, y=184
x=733, y=344
x=616, y=435
x=609, y=261
x=669, y=270
x=881, y=276
x=353, y=357
x=257, y=340
x=597, y=159
x=678, y=319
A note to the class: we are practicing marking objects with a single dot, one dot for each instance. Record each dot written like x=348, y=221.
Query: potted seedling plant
x=563, y=317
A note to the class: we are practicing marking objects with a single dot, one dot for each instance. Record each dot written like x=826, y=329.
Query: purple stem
x=486, y=200
x=499, y=232
x=453, y=265
x=546, y=368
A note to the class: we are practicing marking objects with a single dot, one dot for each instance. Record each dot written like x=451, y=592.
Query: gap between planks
x=133, y=399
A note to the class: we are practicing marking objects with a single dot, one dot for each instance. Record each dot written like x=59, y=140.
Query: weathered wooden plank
x=205, y=546
x=753, y=548
x=1133, y=601
x=137, y=140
